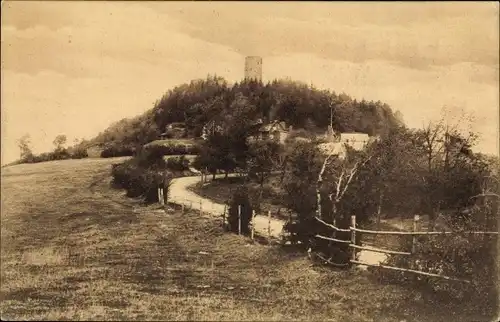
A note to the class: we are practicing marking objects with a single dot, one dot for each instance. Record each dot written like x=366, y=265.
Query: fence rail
x=380, y=250
x=352, y=244
x=333, y=239
x=183, y=203
x=412, y=271
x=415, y=233
x=221, y=211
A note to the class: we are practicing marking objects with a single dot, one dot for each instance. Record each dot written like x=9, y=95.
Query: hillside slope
x=299, y=105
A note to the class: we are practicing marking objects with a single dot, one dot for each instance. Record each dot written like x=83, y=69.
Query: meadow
x=73, y=248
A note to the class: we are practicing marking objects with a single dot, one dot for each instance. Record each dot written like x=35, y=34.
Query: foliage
x=132, y=132
x=24, y=144
x=142, y=175
x=79, y=153
x=178, y=164
x=59, y=153
x=211, y=99
x=263, y=158
x=60, y=141
x=240, y=199
x=302, y=168
x=465, y=256
x=118, y=151
x=175, y=149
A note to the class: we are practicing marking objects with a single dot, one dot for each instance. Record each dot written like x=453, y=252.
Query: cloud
x=413, y=35
x=75, y=67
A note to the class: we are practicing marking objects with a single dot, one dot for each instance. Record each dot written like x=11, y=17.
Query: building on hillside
x=253, y=68
x=333, y=148
x=337, y=142
x=95, y=151
x=357, y=141
x=277, y=131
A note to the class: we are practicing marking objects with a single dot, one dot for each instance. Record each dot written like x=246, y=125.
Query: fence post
x=162, y=202
x=239, y=219
x=353, y=237
x=224, y=217
x=253, y=225
x=159, y=197
x=269, y=223
x=416, y=218
x=201, y=211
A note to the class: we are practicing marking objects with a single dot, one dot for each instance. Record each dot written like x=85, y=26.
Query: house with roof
x=276, y=130
x=337, y=142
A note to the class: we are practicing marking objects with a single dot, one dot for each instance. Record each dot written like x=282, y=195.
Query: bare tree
x=344, y=174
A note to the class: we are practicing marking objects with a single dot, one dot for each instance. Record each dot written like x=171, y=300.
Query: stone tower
x=253, y=68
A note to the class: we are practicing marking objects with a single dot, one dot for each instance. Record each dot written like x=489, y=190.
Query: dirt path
x=180, y=194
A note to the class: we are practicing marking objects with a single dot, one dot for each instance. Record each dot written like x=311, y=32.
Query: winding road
x=181, y=195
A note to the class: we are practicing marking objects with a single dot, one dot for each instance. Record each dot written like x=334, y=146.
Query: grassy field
x=72, y=248
x=168, y=142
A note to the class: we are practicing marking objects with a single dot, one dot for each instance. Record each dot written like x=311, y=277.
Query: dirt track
x=180, y=194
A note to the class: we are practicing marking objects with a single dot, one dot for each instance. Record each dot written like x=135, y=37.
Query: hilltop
x=203, y=100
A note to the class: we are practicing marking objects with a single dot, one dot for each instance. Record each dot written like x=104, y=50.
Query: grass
x=72, y=248
x=168, y=142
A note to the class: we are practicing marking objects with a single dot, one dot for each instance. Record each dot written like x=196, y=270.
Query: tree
x=24, y=144
x=59, y=142
x=449, y=175
x=263, y=159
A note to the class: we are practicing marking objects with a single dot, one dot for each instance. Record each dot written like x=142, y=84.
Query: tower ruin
x=253, y=68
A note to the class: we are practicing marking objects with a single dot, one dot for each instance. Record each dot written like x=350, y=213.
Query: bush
x=79, y=154
x=142, y=175
x=178, y=149
x=240, y=198
x=464, y=256
x=118, y=151
x=178, y=164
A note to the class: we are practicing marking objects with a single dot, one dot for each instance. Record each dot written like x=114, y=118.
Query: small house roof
x=274, y=126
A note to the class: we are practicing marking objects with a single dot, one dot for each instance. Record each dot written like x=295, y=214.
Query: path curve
x=181, y=195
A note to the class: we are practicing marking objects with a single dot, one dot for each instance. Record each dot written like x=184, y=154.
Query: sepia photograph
x=250, y=161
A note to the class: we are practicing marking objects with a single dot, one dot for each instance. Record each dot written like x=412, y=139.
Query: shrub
x=240, y=198
x=464, y=256
x=177, y=149
x=118, y=151
x=142, y=175
x=177, y=164
x=79, y=153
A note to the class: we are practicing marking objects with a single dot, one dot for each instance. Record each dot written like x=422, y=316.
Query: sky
x=74, y=67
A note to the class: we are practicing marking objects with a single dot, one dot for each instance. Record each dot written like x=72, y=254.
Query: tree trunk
x=379, y=209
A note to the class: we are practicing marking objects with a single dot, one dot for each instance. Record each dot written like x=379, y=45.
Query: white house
x=338, y=141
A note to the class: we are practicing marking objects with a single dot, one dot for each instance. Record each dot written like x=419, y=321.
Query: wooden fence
x=202, y=207
x=352, y=244
x=188, y=204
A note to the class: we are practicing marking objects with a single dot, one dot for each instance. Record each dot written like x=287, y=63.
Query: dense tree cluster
x=299, y=105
